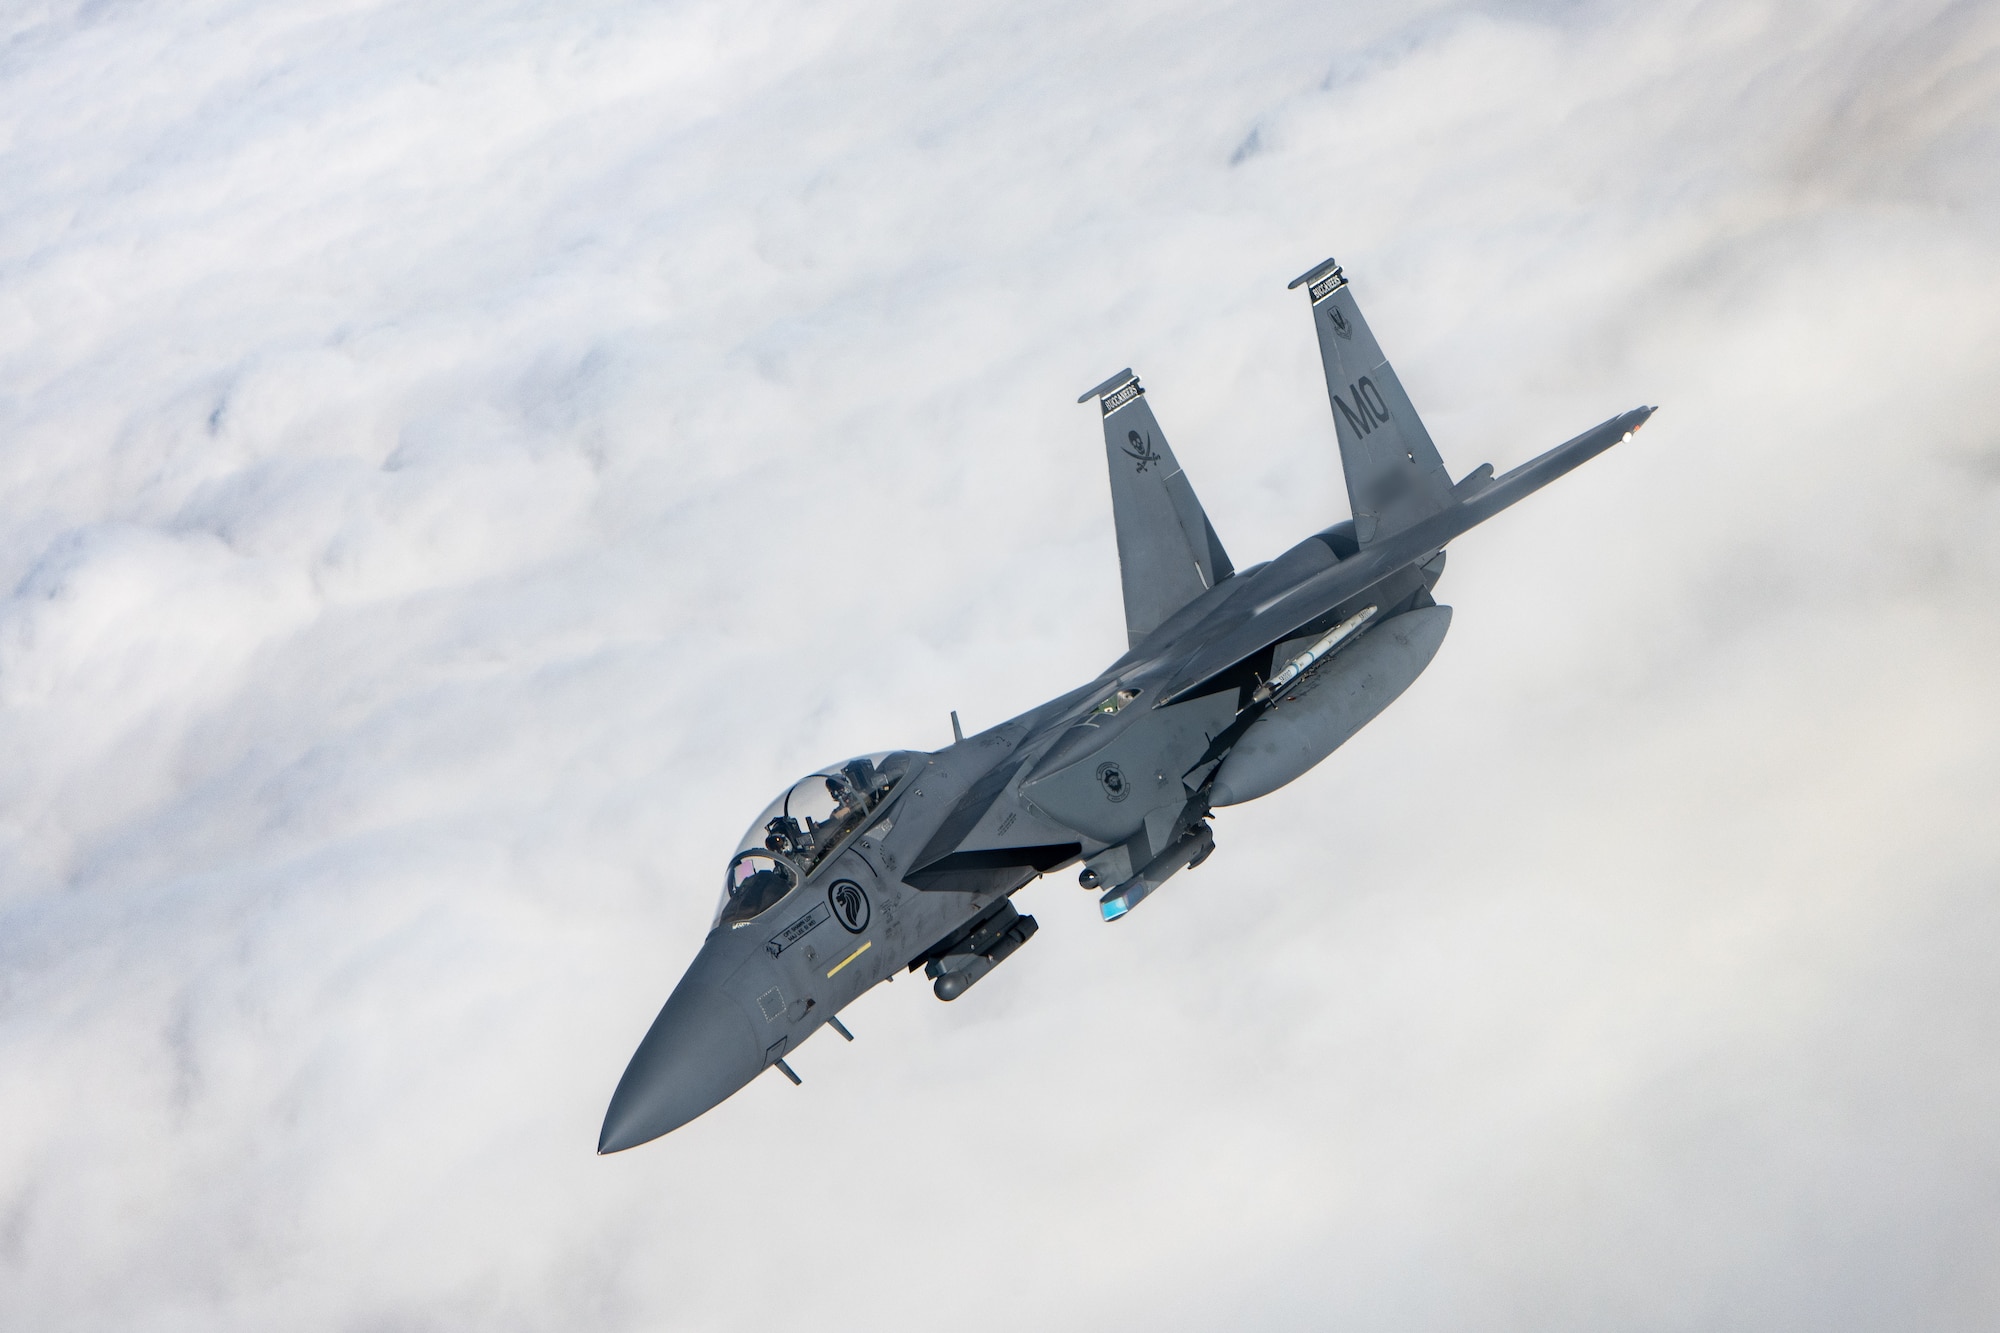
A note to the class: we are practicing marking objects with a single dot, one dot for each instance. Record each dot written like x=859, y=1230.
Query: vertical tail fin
x=1394, y=474
x=1168, y=553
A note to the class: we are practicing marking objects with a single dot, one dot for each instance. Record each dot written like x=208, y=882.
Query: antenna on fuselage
x=957, y=736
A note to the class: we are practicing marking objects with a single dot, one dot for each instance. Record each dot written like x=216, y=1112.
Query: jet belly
x=1318, y=714
x=1106, y=788
x=927, y=912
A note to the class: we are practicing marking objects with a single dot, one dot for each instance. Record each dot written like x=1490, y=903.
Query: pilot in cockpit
x=800, y=829
x=784, y=836
x=808, y=838
x=849, y=801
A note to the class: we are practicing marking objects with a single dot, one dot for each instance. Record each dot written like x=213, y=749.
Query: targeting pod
x=1190, y=851
x=989, y=945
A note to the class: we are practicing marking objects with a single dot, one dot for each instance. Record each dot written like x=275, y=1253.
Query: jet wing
x=1259, y=626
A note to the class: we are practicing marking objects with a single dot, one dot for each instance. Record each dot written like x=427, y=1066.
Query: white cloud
x=454, y=464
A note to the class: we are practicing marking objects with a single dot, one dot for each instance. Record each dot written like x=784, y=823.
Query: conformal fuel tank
x=1316, y=716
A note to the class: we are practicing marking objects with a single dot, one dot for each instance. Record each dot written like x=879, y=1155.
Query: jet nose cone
x=699, y=1050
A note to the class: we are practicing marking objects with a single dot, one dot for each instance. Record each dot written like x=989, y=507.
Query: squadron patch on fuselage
x=1112, y=778
x=850, y=905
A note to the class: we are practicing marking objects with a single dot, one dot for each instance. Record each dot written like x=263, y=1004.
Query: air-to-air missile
x=1235, y=682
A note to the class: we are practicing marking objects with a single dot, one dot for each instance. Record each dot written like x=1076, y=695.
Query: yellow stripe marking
x=851, y=957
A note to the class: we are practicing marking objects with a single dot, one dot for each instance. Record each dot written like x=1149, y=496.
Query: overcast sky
x=458, y=462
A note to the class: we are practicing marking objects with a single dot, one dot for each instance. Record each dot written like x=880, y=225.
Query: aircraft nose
x=699, y=1050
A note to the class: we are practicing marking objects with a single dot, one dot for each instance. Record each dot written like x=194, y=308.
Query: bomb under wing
x=1235, y=683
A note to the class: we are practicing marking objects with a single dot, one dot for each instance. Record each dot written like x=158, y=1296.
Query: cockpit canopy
x=796, y=831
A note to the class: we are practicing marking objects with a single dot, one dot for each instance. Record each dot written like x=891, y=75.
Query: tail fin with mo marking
x=1394, y=475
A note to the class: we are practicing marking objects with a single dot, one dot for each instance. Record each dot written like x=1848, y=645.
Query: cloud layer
x=456, y=464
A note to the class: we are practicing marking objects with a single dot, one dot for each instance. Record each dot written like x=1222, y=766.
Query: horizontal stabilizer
x=1340, y=584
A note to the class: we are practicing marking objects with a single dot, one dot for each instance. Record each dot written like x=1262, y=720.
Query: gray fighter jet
x=1236, y=681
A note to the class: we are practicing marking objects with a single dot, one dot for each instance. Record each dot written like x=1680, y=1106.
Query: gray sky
x=457, y=462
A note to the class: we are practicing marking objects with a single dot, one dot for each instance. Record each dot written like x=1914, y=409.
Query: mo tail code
x=1374, y=409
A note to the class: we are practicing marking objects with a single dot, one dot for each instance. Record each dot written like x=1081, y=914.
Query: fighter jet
x=1234, y=683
